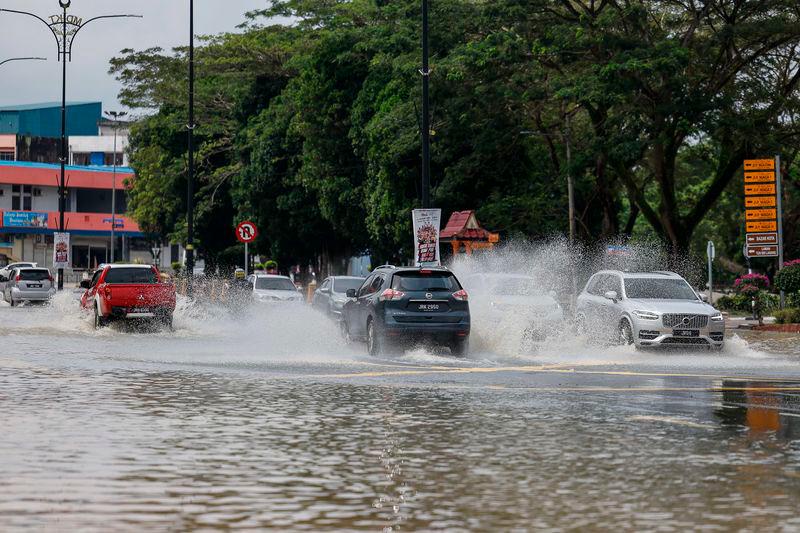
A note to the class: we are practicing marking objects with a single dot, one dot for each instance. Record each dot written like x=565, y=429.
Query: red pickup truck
x=118, y=292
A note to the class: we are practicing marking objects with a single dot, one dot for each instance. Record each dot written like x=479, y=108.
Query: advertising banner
x=24, y=219
x=61, y=250
x=426, y=236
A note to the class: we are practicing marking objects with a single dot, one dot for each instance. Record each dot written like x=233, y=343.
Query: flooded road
x=269, y=421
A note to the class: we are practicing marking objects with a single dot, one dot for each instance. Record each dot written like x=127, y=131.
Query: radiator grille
x=685, y=321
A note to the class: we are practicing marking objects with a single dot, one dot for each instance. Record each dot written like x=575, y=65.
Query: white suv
x=647, y=309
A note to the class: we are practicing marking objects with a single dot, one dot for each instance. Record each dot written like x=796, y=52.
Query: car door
x=609, y=311
x=87, y=300
x=321, y=297
x=353, y=309
x=12, y=274
x=589, y=303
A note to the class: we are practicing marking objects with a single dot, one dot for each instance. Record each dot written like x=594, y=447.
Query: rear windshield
x=275, y=284
x=341, y=285
x=425, y=281
x=34, y=275
x=131, y=275
x=659, y=289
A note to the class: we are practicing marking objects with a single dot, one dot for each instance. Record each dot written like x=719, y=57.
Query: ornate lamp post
x=64, y=28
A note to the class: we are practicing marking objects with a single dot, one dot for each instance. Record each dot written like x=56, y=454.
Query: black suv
x=406, y=304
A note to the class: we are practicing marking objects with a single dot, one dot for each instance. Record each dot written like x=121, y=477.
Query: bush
x=788, y=278
x=269, y=265
x=741, y=302
x=790, y=315
x=176, y=267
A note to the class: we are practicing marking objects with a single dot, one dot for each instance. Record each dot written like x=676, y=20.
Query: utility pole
x=64, y=29
x=426, y=127
x=115, y=116
x=190, y=181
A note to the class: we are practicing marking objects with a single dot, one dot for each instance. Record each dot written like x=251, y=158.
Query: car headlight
x=645, y=315
x=717, y=317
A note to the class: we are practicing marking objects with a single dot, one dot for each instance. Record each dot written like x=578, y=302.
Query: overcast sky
x=165, y=24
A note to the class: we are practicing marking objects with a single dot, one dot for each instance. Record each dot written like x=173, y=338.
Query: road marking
x=669, y=420
x=553, y=368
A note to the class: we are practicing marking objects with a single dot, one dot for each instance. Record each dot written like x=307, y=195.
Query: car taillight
x=107, y=292
x=18, y=278
x=391, y=294
x=461, y=295
x=50, y=278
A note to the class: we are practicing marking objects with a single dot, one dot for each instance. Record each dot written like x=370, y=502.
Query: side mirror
x=3, y=279
x=704, y=297
x=86, y=283
x=611, y=295
x=351, y=293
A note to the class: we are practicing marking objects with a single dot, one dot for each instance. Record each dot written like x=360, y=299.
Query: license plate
x=685, y=333
x=429, y=307
x=141, y=310
x=34, y=285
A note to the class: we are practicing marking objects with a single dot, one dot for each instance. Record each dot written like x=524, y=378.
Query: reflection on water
x=762, y=406
x=182, y=450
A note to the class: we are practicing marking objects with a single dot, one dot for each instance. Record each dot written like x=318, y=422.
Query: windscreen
x=40, y=274
x=131, y=275
x=275, y=284
x=425, y=281
x=514, y=286
x=659, y=289
x=342, y=285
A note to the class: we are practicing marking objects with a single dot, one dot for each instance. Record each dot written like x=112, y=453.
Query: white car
x=647, y=309
x=517, y=301
x=272, y=288
x=6, y=270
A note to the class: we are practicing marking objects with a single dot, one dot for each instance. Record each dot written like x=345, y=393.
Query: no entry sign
x=246, y=232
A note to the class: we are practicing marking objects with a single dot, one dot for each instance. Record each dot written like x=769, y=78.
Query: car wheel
x=374, y=340
x=166, y=320
x=460, y=347
x=99, y=321
x=13, y=302
x=625, y=333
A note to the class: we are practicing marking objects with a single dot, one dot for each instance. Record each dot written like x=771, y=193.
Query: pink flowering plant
x=748, y=282
x=788, y=278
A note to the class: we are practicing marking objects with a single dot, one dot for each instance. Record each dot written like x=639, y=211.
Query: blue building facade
x=44, y=120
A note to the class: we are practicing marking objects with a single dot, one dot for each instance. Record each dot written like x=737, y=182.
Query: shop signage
x=24, y=219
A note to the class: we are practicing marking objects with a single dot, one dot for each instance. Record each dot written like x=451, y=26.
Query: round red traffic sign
x=246, y=231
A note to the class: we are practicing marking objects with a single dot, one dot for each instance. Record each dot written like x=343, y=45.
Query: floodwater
x=267, y=420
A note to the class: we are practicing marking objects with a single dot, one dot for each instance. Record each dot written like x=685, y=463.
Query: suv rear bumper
x=439, y=330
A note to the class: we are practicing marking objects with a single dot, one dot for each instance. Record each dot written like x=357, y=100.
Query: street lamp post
x=190, y=177
x=22, y=59
x=64, y=29
x=115, y=116
x=426, y=127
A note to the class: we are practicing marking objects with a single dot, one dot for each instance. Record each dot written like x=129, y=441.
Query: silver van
x=28, y=285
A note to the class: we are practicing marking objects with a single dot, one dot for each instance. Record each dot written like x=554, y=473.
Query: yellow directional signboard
x=759, y=201
x=756, y=227
x=761, y=214
x=759, y=177
x=759, y=188
x=762, y=202
x=759, y=164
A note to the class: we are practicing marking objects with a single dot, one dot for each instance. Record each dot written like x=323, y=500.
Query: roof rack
x=383, y=267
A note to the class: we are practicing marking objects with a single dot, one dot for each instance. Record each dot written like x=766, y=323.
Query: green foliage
x=790, y=315
x=176, y=267
x=788, y=278
x=312, y=130
x=742, y=303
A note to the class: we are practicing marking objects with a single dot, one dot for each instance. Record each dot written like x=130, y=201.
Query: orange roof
x=463, y=225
